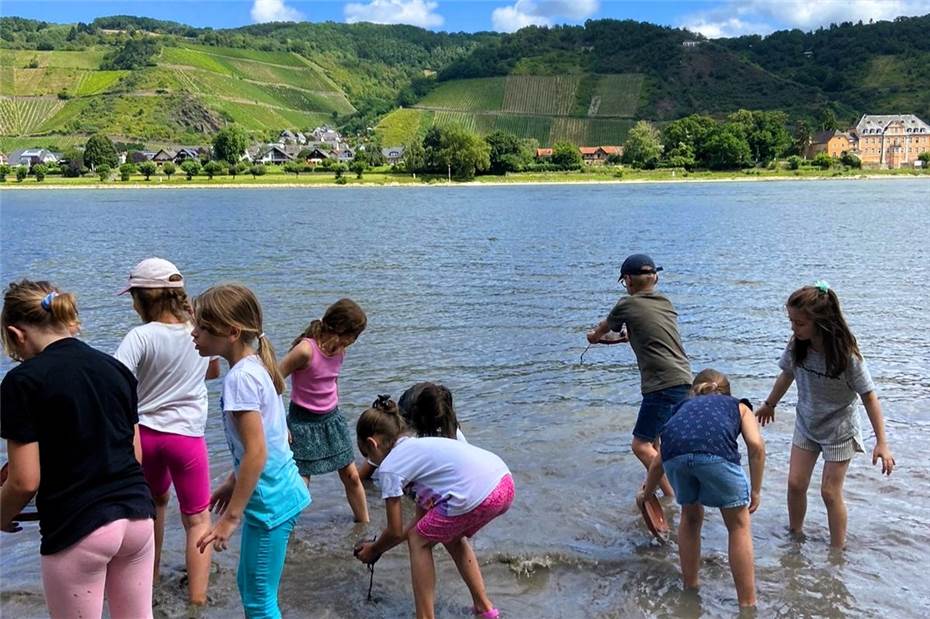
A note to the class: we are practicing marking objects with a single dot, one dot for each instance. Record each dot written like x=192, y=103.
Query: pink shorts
x=438, y=527
x=180, y=459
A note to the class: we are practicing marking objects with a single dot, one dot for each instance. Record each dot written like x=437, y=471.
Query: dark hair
x=344, y=317
x=154, y=302
x=709, y=382
x=382, y=419
x=823, y=307
x=38, y=304
x=427, y=408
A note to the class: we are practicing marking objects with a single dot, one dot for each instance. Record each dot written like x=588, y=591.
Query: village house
x=3, y=159
x=891, y=140
x=597, y=155
x=187, y=152
x=275, y=154
x=326, y=134
x=139, y=156
x=33, y=156
x=317, y=155
x=544, y=153
x=163, y=156
x=393, y=154
x=344, y=154
x=835, y=143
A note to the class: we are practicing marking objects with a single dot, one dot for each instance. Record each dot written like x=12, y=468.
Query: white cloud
x=765, y=16
x=273, y=10
x=541, y=13
x=420, y=13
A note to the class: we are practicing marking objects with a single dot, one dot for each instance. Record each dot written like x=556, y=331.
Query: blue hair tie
x=822, y=286
x=47, y=301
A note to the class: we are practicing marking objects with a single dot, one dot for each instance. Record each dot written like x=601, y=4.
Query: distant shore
x=393, y=180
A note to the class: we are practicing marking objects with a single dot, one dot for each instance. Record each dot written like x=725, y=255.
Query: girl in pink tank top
x=320, y=437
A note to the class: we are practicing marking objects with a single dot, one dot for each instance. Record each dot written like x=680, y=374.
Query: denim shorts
x=656, y=410
x=707, y=479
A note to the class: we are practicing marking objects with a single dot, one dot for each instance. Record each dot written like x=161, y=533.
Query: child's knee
x=350, y=476
x=798, y=484
x=832, y=495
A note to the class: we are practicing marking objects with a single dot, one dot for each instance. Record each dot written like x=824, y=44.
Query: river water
x=490, y=291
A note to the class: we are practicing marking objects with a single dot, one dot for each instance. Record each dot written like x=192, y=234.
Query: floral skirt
x=320, y=441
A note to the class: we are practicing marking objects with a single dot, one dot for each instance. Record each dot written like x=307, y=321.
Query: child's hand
x=754, y=499
x=765, y=414
x=219, y=500
x=881, y=451
x=593, y=337
x=366, y=553
x=219, y=535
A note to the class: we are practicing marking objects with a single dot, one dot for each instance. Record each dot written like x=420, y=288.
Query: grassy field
x=89, y=59
x=619, y=95
x=403, y=125
x=261, y=117
x=474, y=95
x=96, y=82
x=22, y=116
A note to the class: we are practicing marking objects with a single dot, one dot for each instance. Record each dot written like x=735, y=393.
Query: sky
x=712, y=18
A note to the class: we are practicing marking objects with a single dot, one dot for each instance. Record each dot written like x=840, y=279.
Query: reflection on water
x=490, y=290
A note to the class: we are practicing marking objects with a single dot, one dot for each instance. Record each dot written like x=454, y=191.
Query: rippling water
x=490, y=290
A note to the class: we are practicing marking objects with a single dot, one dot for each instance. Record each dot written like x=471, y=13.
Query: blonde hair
x=154, y=302
x=710, y=382
x=344, y=317
x=222, y=308
x=38, y=304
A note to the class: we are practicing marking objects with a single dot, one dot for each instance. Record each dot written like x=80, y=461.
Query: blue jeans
x=707, y=479
x=261, y=561
x=656, y=410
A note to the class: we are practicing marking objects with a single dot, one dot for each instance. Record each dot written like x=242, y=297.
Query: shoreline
x=33, y=185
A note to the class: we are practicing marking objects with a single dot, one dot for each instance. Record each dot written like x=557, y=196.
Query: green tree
x=727, y=149
x=566, y=155
x=126, y=170
x=765, y=132
x=850, y=160
x=4, y=171
x=74, y=165
x=230, y=143
x=925, y=158
x=100, y=150
x=21, y=173
x=828, y=121
x=794, y=162
x=508, y=152
x=242, y=167
x=293, y=167
x=803, y=135
x=456, y=150
x=148, y=168
x=340, y=169
x=213, y=168
x=257, y=170
x=169, y=169
x=823, y=161
x=681, y=156
x=688, y=134
x=190, y=168
x=643, y=145
x=358, y=166
x=40, y=170
x=414, y=157
x=103, y=171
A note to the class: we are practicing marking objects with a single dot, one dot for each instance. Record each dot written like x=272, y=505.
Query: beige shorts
x=832, y=452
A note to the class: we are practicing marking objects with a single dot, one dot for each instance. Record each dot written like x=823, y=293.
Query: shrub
x=190, y=168
x=258, y=170
x=4, y=170
x=21, y=172
x=169, y=169
x=794, y=162
x=148, y=168
x=40, y=170
x=126, y=170
x=851, y=161
x=823, y=161
x=359, y=168
x=103, y=171
x=212, y=168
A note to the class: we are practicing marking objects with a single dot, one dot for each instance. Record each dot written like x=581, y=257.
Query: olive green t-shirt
x=652, y=325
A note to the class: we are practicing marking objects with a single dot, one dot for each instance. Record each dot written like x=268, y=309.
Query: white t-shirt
x=172, y=392
x=441, y=473
x=280, y=493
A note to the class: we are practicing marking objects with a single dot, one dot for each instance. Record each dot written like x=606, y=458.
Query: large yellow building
x=890, y=140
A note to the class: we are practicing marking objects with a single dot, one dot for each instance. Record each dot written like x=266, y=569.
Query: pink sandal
x=488, y=614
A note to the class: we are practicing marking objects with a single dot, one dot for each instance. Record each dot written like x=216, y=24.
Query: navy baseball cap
x=638, y=264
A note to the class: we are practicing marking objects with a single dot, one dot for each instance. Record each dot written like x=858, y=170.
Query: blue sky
x=713, y=18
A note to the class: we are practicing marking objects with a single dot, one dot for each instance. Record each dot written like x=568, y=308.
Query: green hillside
x=140, y=79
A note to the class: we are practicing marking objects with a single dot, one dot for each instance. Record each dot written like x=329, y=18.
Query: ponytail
x=345, y=317
x=313, y=331
x=428, y=408
x=266, y=354
x=38, y=304
x=710, y=382
x=382, y=419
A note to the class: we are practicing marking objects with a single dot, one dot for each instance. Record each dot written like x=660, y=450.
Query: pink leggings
x=117, y=559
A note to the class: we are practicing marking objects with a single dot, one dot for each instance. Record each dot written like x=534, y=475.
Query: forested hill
x=159, y=81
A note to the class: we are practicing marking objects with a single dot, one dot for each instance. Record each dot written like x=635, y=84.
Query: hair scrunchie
x=47, y=301
x=822, y=286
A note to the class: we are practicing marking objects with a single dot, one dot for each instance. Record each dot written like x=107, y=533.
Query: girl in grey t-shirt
x=823, y=358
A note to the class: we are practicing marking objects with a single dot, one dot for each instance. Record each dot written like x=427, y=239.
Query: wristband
x=770, y=405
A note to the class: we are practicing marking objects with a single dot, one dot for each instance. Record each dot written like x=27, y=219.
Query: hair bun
x=383, y=402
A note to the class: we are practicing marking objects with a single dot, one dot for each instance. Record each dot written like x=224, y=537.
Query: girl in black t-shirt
x=68, y=414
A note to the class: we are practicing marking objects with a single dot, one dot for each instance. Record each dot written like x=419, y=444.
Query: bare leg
x=800, y=469
x=467, y=564
x=198, y=564
x=423, y=574
x=831, y=489
x=689, y=543
x=161, y=504
x=741, y=559
x=355, y=492
x=646, y=451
